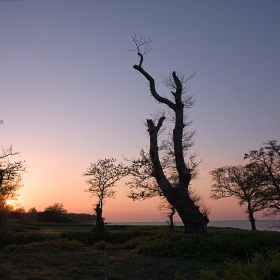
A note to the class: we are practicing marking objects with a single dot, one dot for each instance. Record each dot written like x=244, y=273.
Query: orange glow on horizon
x=43, y=188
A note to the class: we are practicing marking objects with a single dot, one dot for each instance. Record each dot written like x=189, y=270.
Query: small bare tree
x=103, y=176
x=166, y=209
x=168, y=159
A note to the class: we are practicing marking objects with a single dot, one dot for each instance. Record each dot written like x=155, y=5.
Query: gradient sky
x=70, y=96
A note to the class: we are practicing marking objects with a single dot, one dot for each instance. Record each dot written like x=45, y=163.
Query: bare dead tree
x=168, y=159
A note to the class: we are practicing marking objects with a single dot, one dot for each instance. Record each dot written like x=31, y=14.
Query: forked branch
x=143, y=46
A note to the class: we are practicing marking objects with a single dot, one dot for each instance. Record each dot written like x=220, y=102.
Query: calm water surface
x=270, y=225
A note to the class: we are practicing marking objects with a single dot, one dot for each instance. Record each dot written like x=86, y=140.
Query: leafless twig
x=143, y=46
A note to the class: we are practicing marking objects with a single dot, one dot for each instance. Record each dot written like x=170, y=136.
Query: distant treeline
x=54, y=213
x=83, y=217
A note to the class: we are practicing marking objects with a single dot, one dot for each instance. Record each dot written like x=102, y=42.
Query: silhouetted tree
x=82, y=217
x=103, y=176
x=169, y=158
x=32, y=213
x=246, y=183
x=267, y=158
x=18, y=213
x=166, y=209
x=57, y=207
x=10, y=179
x=54, y=213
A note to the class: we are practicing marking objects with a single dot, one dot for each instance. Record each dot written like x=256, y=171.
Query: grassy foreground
x=32, y=250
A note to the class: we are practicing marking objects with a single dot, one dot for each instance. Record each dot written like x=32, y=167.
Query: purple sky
x=70, y=96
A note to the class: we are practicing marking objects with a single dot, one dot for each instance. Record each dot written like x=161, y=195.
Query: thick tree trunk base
x=99, y=225
x=252, y=220
x=195, y=225
x=194, y=221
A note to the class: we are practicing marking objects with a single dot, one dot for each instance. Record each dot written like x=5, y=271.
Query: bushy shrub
x=9, y=238
x=233, y=244
x=53, y=217
x=217, y=246
x=47, y=246
x=117, y=237
x=102, y=245
x=87, y=237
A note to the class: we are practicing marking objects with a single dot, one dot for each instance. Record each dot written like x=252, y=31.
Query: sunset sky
x=70, y=96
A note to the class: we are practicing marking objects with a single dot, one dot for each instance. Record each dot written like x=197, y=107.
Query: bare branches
x=152, y=127
x=173, y=80
x=199, y=201
x=170, y=82
x=142, y=185
x=7, y=151
x=143, y=46
x=102, y=177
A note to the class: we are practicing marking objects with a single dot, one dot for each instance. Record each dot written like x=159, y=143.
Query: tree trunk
x=171, y=226
x=193, y=220
x=178, y=197
x=3, y=215
x=251, y=218
x=99, y=225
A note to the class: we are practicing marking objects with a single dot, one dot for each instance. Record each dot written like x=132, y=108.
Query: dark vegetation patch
x=33, y=250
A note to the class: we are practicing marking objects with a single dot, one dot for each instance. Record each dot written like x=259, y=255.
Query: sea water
x=269, y=225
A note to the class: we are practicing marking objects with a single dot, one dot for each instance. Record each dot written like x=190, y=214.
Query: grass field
x=32, y=250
